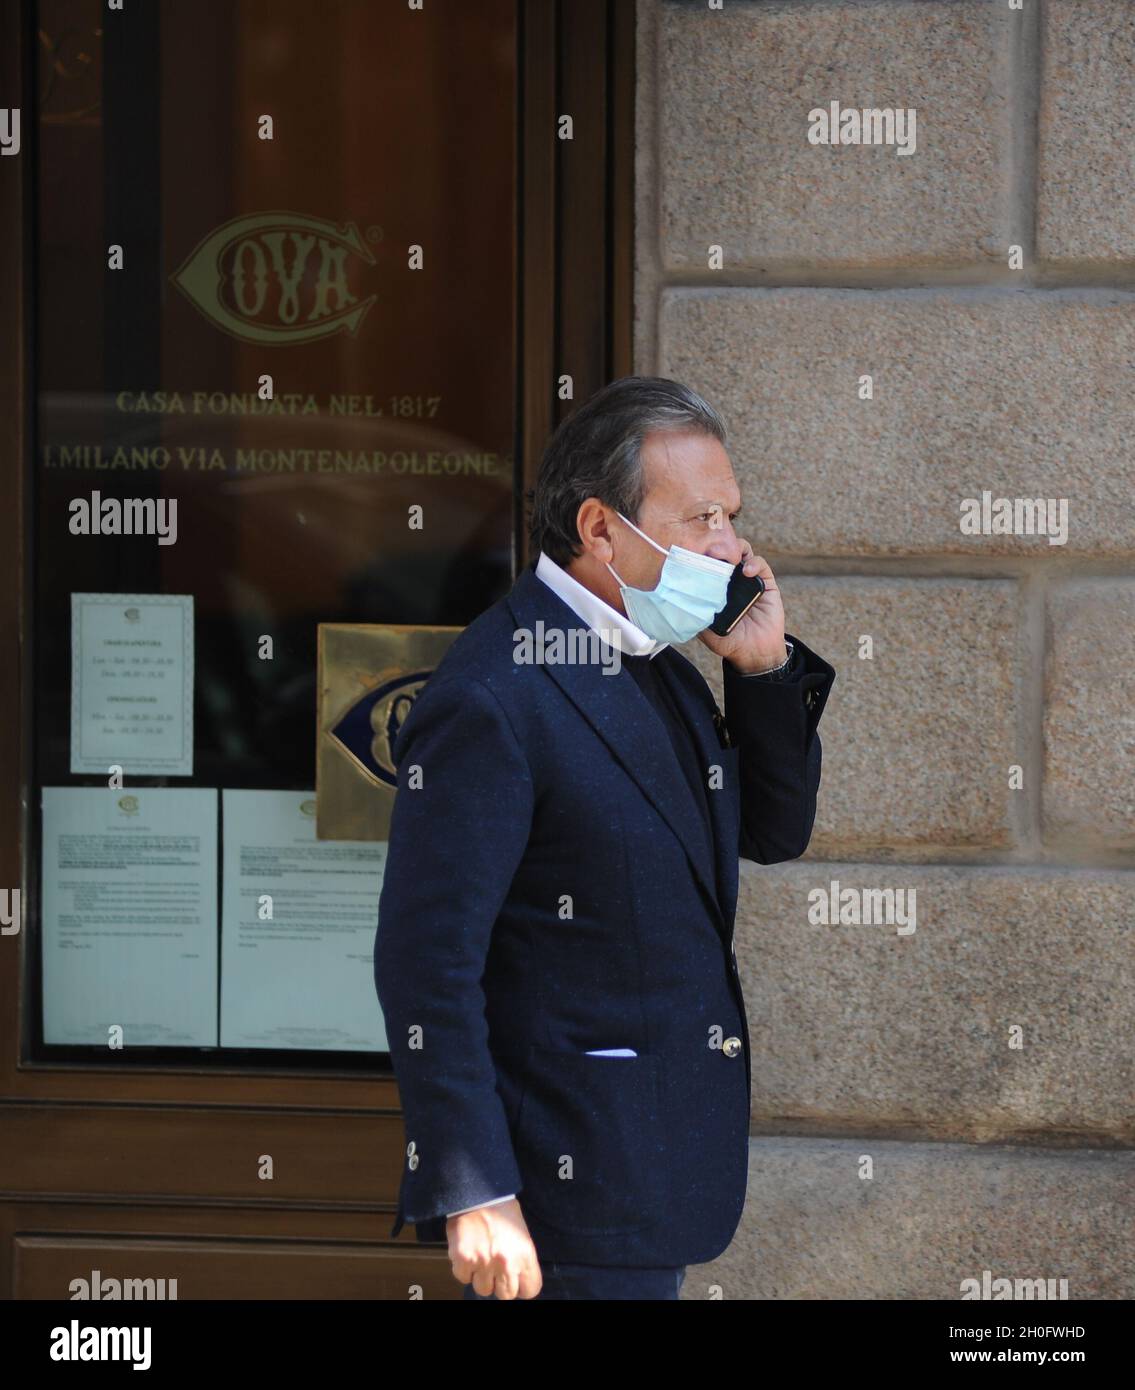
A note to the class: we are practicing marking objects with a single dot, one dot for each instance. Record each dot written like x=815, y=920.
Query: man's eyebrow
x=708, y=506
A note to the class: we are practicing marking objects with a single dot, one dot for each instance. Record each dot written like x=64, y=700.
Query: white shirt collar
x=615, y=628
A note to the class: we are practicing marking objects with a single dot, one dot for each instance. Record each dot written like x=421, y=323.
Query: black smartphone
x=742, y=593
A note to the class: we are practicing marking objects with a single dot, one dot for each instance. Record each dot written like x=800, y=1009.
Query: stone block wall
x=934, y=1102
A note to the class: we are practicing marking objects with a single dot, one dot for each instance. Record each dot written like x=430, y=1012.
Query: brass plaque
x=369, y=675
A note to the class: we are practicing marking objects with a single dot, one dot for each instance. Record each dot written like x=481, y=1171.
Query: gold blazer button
x=731, y=1047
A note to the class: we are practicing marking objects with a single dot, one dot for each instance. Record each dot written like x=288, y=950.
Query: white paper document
x=132, y=684
x=130, y=916
x=299, y=917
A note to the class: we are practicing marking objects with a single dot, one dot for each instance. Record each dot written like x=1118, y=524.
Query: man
x=554, y=956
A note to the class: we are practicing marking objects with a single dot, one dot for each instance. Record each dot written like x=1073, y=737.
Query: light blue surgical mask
x=689, y=594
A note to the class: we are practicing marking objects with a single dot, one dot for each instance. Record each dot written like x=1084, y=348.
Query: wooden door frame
x=574, y=254
x=576, y=288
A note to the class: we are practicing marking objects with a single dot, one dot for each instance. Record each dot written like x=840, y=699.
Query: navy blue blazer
x=547, y=894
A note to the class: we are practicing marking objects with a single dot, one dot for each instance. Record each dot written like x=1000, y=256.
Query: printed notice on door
x=130, y=917
x=132, y=684
x=299, y=917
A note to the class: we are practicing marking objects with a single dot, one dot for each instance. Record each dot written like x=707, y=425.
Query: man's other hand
x=490, y=1247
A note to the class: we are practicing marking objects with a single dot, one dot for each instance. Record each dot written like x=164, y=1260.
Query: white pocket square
x=613, y=1052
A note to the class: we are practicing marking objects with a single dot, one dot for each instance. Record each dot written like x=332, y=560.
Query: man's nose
x=725, y=544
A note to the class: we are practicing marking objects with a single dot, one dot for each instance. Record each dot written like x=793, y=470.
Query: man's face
x=691, y=500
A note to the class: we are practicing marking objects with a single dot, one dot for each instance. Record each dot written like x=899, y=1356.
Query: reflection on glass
x=275, y=287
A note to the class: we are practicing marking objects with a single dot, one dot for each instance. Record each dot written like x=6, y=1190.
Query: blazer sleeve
x=773, y=724
x=460, y=825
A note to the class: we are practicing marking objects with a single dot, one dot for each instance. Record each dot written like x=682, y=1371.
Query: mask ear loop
x=645, y=537
x=618, y=581
x=705, y=562
x=661, y=549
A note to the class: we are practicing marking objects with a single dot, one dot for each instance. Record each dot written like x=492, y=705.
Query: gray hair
x=597, y=452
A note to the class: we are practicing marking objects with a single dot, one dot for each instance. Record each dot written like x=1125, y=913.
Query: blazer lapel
x=626, y=722
x=723, y=793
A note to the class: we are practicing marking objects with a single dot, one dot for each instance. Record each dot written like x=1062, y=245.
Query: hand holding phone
x=743, y=592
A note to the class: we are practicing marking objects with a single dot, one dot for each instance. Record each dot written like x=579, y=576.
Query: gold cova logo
x=277, y=277
x=370, y=728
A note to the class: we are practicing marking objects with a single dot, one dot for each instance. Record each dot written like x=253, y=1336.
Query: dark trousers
x=597, y=1281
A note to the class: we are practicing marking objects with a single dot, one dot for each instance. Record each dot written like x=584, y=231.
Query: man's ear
x=594, y=532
